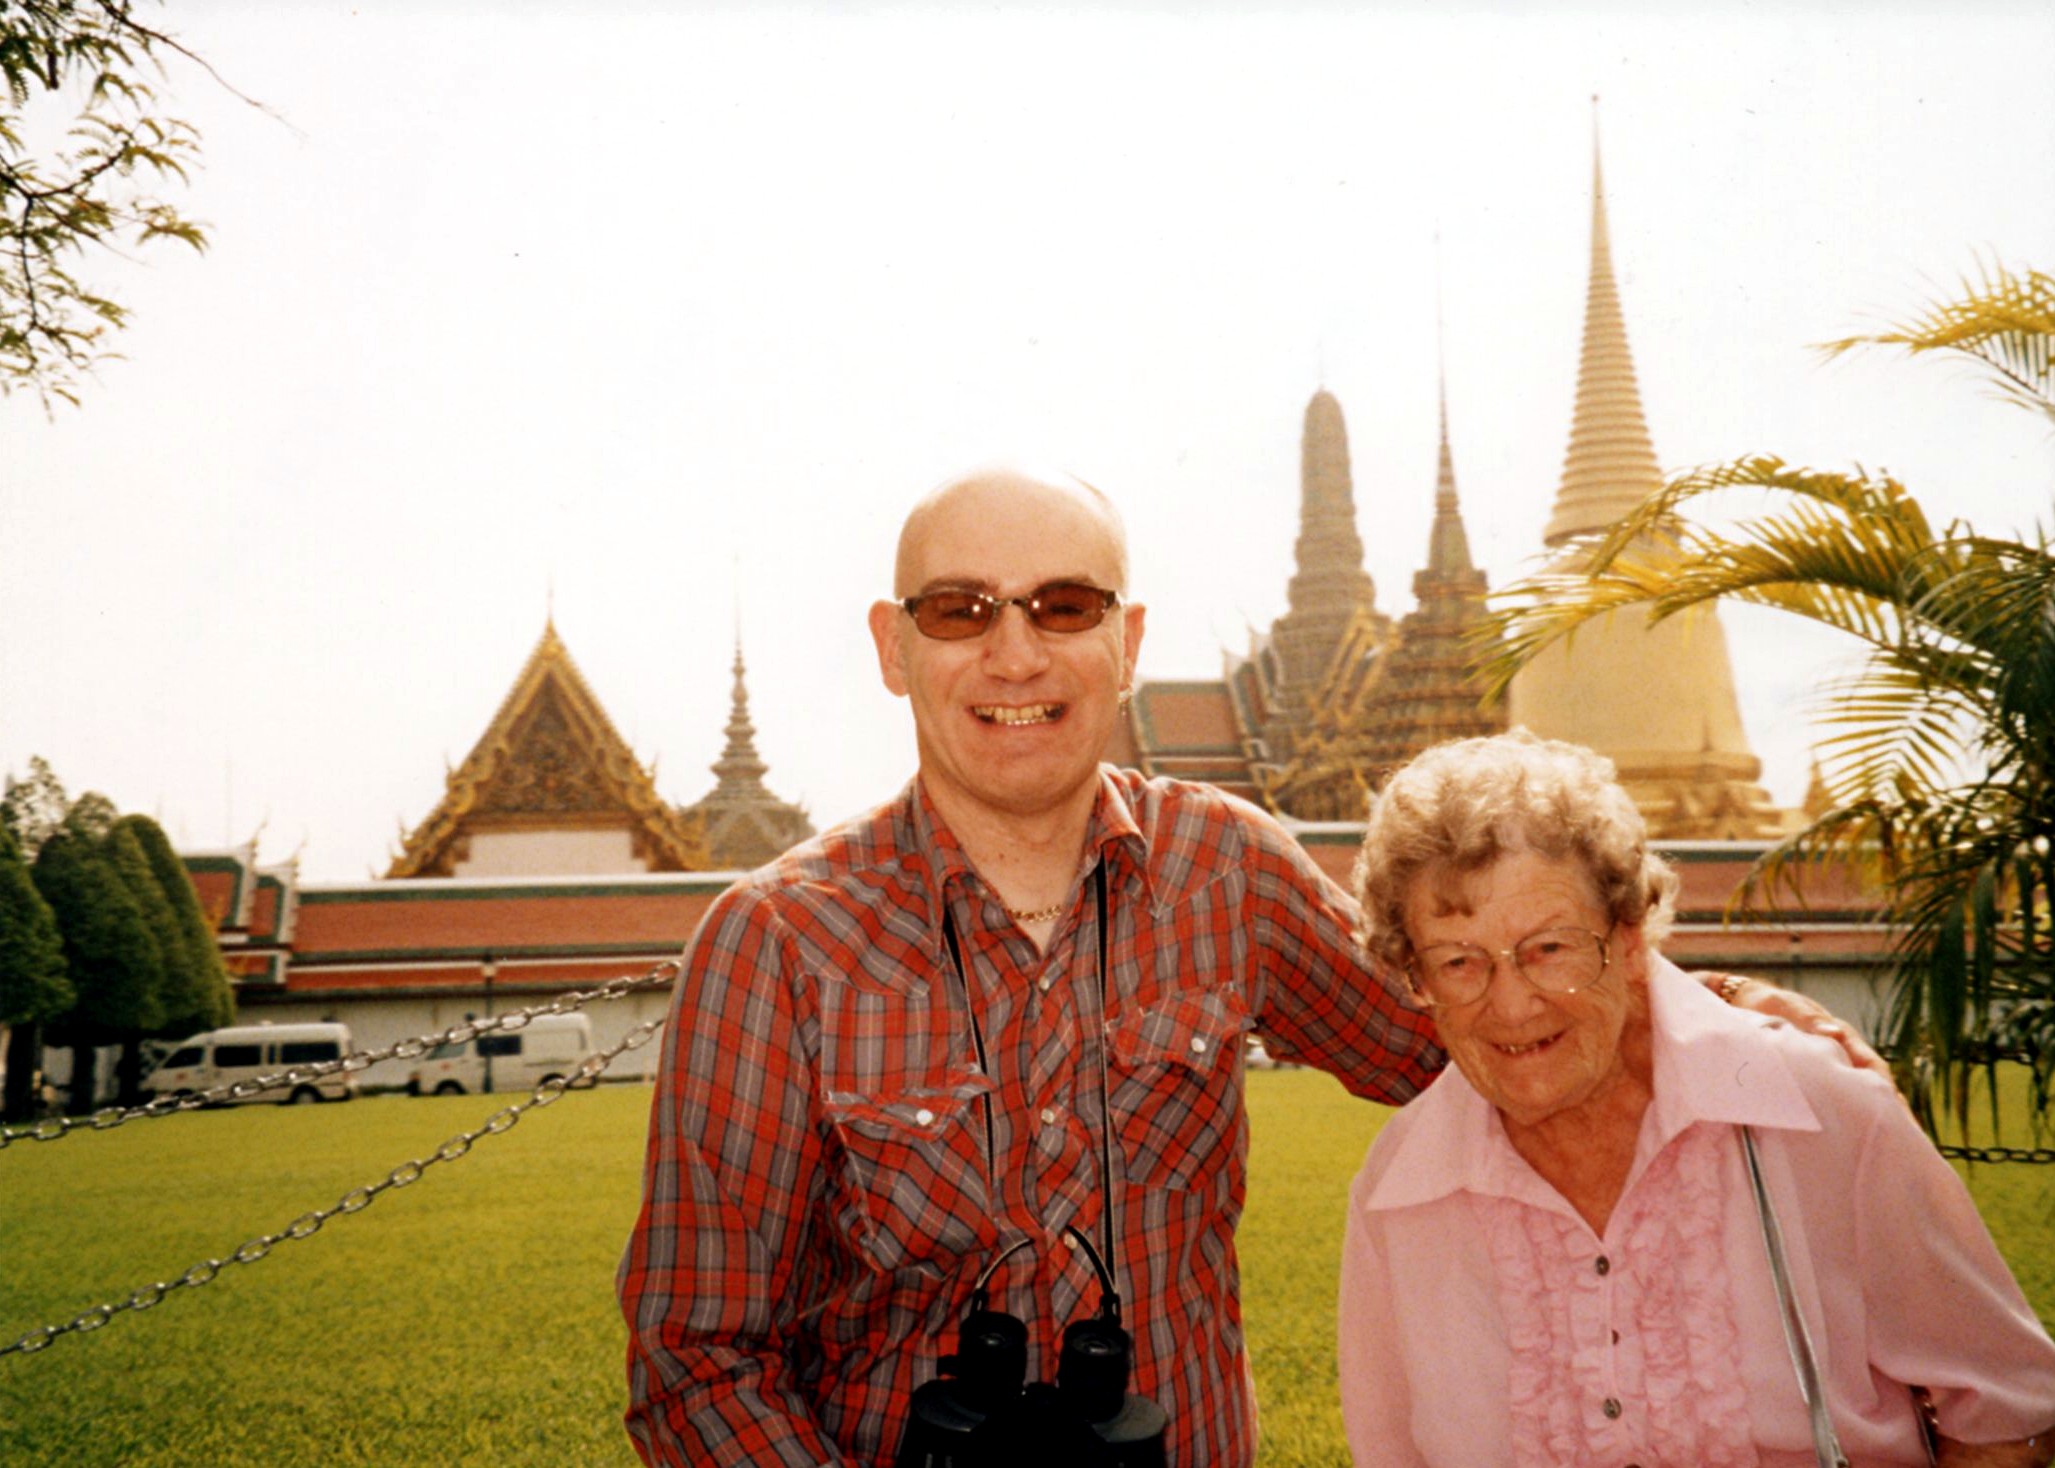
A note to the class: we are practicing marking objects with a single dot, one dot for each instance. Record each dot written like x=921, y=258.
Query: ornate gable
x=551, y=760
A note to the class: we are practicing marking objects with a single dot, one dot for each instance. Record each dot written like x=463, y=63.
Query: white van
x=245, y=1052
x=547, y=1048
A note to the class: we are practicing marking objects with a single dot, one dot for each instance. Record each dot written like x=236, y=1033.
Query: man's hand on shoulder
x=1796, y=1010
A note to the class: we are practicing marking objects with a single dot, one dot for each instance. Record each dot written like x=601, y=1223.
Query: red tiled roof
x=597, y=916
x=1187, y=718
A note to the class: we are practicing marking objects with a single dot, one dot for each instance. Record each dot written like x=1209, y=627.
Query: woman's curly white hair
x=1458, y=807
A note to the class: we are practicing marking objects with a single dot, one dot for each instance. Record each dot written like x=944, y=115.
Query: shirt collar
x=1111, y=832
x=1116, y=835
x=1710, y=1065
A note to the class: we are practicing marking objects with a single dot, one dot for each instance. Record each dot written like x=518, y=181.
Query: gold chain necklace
x=1034, y=915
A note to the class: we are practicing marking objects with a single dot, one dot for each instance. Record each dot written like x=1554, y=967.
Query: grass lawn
x=469, y=1318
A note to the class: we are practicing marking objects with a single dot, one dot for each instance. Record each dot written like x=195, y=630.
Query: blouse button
x=1604, y=1265
x=1198, y=1046
x=1612, y=1406
x=924, y=1116
x=1043, y=983
x=1048, y=1116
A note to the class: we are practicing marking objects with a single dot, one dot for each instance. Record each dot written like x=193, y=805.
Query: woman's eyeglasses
x=1555, y=961
x=1061, y=606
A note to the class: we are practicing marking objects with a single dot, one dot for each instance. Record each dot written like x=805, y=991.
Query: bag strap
x=1826, y=1447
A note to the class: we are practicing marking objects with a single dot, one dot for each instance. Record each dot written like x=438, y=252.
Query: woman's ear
x=1628, y=947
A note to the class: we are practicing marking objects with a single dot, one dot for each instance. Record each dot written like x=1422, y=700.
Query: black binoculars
x=983, y=1413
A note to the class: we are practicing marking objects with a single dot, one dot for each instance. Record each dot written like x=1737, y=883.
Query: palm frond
x=1841, y=553
x=1853, y=836
x=2001, y=602
x=2004, y=321
x=1878, y=500
x=1889, y=728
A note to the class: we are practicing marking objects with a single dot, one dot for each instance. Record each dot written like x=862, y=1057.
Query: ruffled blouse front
x=1627, y=1348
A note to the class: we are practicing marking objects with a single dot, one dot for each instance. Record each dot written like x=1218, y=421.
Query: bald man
x=996, y=1024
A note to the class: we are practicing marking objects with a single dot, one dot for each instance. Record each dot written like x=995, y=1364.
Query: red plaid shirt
x=823, y=1185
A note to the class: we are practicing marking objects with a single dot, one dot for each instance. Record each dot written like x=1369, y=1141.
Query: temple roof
x=1656, y=699
x=550, y=759
x=1386, y=695
x=745, y=824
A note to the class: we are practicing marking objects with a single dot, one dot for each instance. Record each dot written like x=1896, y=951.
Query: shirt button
x=1043, y=983
x=1612, y=1407
x=924, y=1116
x=1604, y=1265
x=1198, y=1046
x=1049, y=1119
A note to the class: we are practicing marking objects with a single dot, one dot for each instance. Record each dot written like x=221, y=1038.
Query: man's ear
x=885, y=632
x=1133, y=617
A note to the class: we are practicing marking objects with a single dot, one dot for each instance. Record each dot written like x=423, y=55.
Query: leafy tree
x=80, y=72
x=1938, y=758
x=33, y=986
x=33, y=807
x=108, y=951
x=170, y=971
x=176, y=949
x=197, y=995
x=91, y=816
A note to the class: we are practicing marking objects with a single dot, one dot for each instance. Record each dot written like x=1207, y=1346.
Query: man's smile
x=1016, y=714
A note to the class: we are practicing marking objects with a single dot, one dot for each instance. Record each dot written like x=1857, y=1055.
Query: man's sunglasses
x=1061, y=606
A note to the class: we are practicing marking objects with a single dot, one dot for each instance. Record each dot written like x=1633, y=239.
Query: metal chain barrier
x=356, y=1200
x=2000, y=1154
x=1988, y=1054
x=52, y=1128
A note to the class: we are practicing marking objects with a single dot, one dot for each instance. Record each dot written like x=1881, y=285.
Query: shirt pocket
x=912, y=1191
x=1176, y=1098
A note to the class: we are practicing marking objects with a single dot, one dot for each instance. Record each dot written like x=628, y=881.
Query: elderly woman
x=1554, y=1255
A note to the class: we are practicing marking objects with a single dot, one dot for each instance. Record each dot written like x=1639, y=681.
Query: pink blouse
x=1483, y=1322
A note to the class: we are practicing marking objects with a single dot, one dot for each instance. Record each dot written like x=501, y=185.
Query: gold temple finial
x=1440, y=339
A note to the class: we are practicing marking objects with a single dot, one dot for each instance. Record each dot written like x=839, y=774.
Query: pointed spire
x=1611, y=465
x=1448, y=544
x=1329, y=553
x=1329, y=589
x=740, y=769
x=746, y=825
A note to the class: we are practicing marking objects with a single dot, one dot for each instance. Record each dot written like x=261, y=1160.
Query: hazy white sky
x=673, y=310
